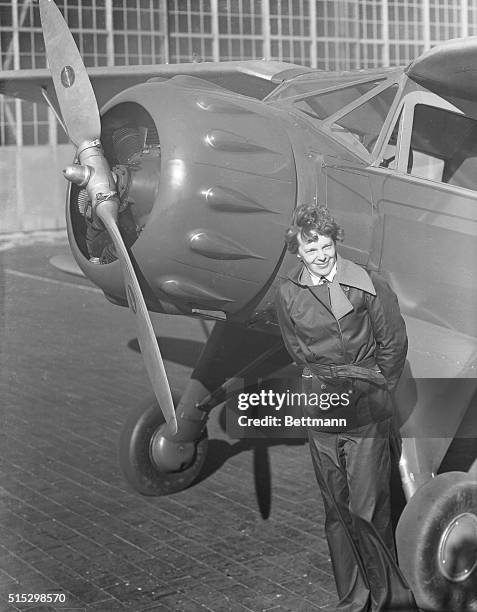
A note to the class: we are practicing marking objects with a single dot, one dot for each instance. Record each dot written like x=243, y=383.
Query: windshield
x=323, y=105
x=364, y=123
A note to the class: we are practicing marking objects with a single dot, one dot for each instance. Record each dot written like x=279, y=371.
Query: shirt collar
x=308, y=278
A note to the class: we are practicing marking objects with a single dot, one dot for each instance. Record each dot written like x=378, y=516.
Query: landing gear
x=437, y=543
x=157, y=461
x=153, y=464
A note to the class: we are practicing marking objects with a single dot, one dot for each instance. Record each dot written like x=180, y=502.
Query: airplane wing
x=255, y=78
x=449, y=69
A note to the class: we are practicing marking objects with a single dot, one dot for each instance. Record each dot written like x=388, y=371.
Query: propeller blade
x=145, y=332
x=72, y=85
x=262, y=477
x=81, y=116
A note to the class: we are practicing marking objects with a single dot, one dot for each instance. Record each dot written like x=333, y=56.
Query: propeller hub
x=101, y=185
x=78, y=174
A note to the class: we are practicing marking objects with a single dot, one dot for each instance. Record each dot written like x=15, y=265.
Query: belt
x=345, y=371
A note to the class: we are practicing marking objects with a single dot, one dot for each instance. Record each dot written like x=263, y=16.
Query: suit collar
x=347, y=273
x=350, y=274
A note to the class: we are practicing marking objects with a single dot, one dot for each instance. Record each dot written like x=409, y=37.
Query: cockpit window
x=443, y=147
x=322, y=105
x=364, y=123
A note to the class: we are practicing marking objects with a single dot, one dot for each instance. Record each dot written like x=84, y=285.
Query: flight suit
x=351, y=339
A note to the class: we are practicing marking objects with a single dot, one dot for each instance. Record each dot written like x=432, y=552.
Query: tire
x=136, y=462
x=436, y=541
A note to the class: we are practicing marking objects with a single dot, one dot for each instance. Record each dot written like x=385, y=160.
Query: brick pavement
x=69, y=523
x=69, y=375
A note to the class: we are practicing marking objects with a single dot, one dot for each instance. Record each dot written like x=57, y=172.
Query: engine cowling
x=208, y=180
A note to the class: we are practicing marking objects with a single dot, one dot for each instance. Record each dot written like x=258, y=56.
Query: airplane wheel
x=436, y=540
x=139, y=437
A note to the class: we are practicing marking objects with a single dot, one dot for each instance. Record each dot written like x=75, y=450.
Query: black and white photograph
x=238, y=305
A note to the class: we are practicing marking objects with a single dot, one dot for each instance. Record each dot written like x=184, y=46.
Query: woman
x=344, y=326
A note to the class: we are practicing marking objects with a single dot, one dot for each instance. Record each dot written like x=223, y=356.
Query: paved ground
x=68, y=522
x=69, y=525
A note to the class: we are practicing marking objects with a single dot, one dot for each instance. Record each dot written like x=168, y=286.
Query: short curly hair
x=310, y=221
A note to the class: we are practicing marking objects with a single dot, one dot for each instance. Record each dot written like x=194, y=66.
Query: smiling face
x=319, y=255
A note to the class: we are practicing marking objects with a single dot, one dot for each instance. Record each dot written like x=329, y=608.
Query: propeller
x=81, y=117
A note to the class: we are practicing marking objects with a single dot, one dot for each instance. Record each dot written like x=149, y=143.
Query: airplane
x=178, y=199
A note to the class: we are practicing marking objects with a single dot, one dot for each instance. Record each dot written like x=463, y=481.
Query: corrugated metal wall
x=329, y=34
